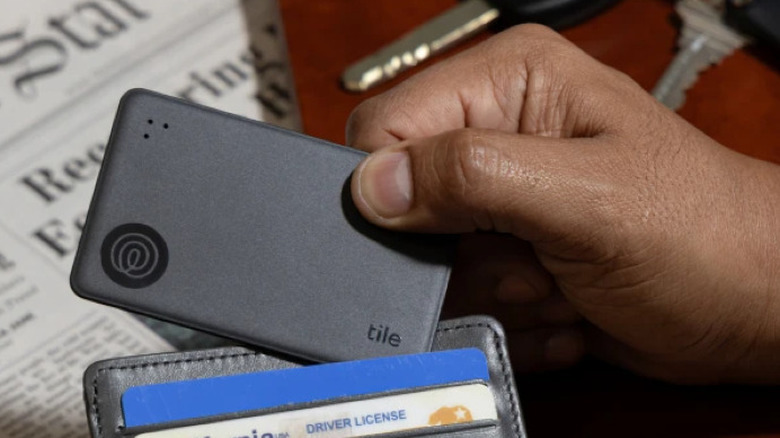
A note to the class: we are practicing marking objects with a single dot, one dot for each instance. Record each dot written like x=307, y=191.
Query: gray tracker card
x=248, y=231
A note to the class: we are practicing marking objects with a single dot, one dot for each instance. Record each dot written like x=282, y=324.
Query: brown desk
x=737, y=103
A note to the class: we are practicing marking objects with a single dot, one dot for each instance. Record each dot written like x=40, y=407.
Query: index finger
x=527, y=79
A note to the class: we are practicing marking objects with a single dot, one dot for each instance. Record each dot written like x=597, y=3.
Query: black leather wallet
x=106, y=381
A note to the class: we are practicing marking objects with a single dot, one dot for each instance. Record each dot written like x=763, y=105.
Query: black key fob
x=758, y=18
x=248, y=231
x=558, y=14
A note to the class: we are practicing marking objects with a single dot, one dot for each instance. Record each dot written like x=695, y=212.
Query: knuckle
x=533, y=31
x=548, y=58
x=536, y=40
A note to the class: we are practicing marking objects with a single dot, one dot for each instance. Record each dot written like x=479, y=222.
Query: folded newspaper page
x=64, y=64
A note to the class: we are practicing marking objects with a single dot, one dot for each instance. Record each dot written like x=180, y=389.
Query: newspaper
x=63, y=66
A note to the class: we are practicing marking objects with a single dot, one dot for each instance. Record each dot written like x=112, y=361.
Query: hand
x=604, y=204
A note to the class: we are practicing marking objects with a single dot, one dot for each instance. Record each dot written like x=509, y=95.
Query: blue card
x=174, y=401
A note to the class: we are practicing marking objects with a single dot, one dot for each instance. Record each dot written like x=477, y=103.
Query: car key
x=704, y=40
x=458, y=24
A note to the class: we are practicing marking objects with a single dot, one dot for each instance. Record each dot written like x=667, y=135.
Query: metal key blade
x=454, y=25
x=682, y=73
x=704, y=40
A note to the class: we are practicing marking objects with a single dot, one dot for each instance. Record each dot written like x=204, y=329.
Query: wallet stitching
x=513, y=405
x=95, y=405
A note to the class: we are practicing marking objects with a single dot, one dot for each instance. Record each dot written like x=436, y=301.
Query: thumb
x=536, y=188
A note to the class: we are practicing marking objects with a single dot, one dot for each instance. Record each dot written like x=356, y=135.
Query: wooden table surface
x=737, y=103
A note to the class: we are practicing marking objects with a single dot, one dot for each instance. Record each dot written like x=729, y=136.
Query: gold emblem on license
x=450, y=415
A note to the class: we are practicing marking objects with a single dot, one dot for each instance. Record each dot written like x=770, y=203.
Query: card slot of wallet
x=473, y=429
x=106, y=381
x=130, y=432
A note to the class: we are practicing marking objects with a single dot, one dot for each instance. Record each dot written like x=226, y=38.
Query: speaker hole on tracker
x=146, y=135
x=165, y=125
x=150, y=121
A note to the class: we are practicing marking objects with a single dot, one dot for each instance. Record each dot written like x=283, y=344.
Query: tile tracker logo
x=134, y=255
